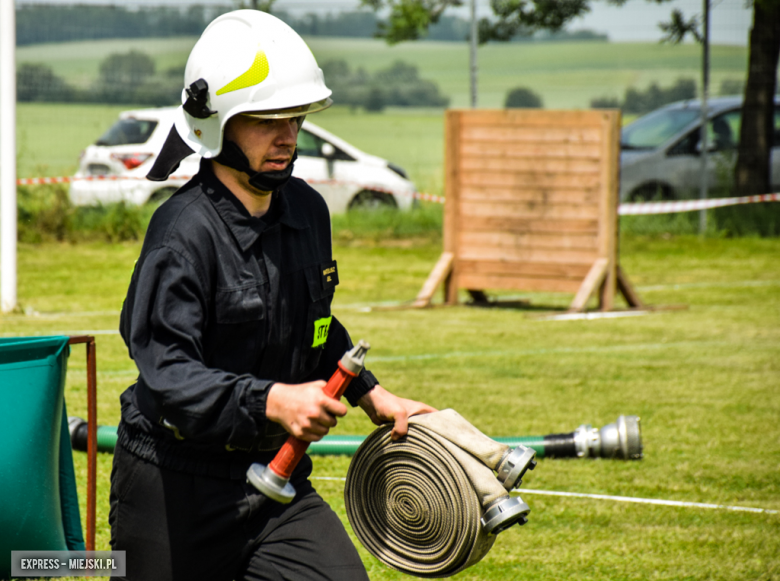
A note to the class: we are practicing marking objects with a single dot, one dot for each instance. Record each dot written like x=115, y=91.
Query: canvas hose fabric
x=416, y=503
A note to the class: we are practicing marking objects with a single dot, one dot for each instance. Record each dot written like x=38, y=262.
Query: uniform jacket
x=222, y=305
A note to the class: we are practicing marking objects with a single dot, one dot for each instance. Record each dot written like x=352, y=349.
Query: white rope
x=656, y=501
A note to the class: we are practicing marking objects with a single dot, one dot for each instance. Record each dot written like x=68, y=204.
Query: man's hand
x=303, y=409
x=383, y=407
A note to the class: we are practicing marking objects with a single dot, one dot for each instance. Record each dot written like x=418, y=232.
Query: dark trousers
x=177, y=526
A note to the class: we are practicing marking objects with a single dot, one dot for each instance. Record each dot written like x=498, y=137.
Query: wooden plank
x=592, y=281
x=527, y=210
x=546, y=196
x=608, y=223
x=539, y=117
x=491, y=223
x=440, y=272
x=452, y=188
x=527, y=255
x=627, y=290
x=528, y=179
x=532, y=165
x=531, y=150
x=525, y=269
x=482, y=281
x=527, y=134
x=497, y=239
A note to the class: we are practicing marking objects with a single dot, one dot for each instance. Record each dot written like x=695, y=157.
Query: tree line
x=39, y=23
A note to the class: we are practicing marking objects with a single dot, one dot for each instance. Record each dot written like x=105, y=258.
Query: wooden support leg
x=591, y=283
x=438, y=275
x=627, y=290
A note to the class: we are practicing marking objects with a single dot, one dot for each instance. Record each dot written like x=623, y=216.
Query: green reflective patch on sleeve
x=321, y=327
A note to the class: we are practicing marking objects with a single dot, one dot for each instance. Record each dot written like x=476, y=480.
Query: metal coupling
x=270, y=484
x=514, y=465
x=503, y=513
x=621, y=439
x=353, y=359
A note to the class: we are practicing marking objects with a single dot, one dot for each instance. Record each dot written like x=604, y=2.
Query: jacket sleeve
x=338, y=343
x=163, y=323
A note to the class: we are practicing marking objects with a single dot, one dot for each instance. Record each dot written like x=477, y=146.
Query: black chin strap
x=266, y=181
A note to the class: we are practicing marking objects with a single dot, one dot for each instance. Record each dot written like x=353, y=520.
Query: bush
x=732, y=87
x=398, y=85
x=37, y=82
x=641, y=102
x=45, y=214
x=520, y=97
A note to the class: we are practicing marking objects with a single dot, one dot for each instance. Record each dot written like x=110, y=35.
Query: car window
x=309, y=144
x=127, y=132
x=657, y=128
x=722, y=135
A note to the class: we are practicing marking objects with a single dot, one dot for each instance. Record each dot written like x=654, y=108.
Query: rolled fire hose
x=621, y=439
x=430, y=504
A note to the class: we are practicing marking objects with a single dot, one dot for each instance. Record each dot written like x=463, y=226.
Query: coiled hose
x=423, y=504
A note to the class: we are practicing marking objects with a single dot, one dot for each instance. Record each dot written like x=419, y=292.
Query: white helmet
x=245, y=61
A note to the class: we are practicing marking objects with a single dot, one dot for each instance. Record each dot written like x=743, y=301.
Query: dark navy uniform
x=221, y=306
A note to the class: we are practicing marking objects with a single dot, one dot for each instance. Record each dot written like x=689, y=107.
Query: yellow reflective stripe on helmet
x=256, y=74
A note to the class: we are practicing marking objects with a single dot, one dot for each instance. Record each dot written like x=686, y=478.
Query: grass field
x=566, y=74
x=705, y=382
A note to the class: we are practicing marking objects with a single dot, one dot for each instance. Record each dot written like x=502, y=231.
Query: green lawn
x=705, y=382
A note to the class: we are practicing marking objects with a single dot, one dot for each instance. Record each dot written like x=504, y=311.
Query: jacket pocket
x=240, y=328
x=318, y=318
x=239, y=305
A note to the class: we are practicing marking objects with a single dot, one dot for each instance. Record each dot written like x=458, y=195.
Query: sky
x=636, y=21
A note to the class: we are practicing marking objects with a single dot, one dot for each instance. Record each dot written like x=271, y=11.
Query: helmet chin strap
x=266, y=181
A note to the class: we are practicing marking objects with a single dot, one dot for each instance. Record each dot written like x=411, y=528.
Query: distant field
x=566, y=74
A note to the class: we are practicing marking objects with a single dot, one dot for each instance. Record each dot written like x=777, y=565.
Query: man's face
x=268, y=143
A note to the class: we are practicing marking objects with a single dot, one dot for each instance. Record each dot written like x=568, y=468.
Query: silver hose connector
x=514, y=465
x=503, y=513
x=621, y=439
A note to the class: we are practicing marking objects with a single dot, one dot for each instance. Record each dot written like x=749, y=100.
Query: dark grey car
x=661, y=155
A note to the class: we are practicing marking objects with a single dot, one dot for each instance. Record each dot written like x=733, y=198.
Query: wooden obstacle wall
x=531, y=204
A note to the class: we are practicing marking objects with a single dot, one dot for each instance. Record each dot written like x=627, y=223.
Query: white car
x=113, y=169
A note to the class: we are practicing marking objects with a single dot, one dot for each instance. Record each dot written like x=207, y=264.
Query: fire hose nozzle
x=503, y=513
x=354, y=358
x=270, y=484
x=514, y=465
x=621, y=439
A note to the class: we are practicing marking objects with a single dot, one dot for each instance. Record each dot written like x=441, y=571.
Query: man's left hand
x=383, y=407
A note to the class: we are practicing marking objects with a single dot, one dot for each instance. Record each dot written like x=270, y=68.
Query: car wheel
x=652, y=192
x=372, y=200
x=159, y=196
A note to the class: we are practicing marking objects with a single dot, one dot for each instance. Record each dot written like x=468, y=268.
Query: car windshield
x=127, y=132
x=655, y=129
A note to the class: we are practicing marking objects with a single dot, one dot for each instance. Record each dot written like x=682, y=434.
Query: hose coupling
x=270, y=484
x=621, y=439
x=503, y=513
x=514, y=465
x=353, y=359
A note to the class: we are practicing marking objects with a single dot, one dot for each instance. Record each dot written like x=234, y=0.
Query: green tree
x=37, y=82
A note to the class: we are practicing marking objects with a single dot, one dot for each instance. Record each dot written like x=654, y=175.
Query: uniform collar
x=246, y=228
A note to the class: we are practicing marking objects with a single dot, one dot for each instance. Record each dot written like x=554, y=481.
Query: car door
x=317, y=164
x=722, y=142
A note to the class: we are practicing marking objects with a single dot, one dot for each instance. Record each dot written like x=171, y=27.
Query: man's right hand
x=303, y=409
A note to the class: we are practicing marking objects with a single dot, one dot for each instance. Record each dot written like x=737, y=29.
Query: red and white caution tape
x=623, y=209
x=691, y=205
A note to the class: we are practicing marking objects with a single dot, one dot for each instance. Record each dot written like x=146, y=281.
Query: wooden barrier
x=531, y=204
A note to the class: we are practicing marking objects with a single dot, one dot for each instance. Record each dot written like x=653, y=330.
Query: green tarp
x=37, y=482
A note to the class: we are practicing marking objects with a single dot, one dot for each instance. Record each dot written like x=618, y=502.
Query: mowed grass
x=704, y=380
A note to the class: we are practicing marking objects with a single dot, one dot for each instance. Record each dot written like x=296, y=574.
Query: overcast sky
x=637, y=20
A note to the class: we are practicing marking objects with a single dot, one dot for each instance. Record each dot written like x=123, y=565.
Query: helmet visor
x=291, y=111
